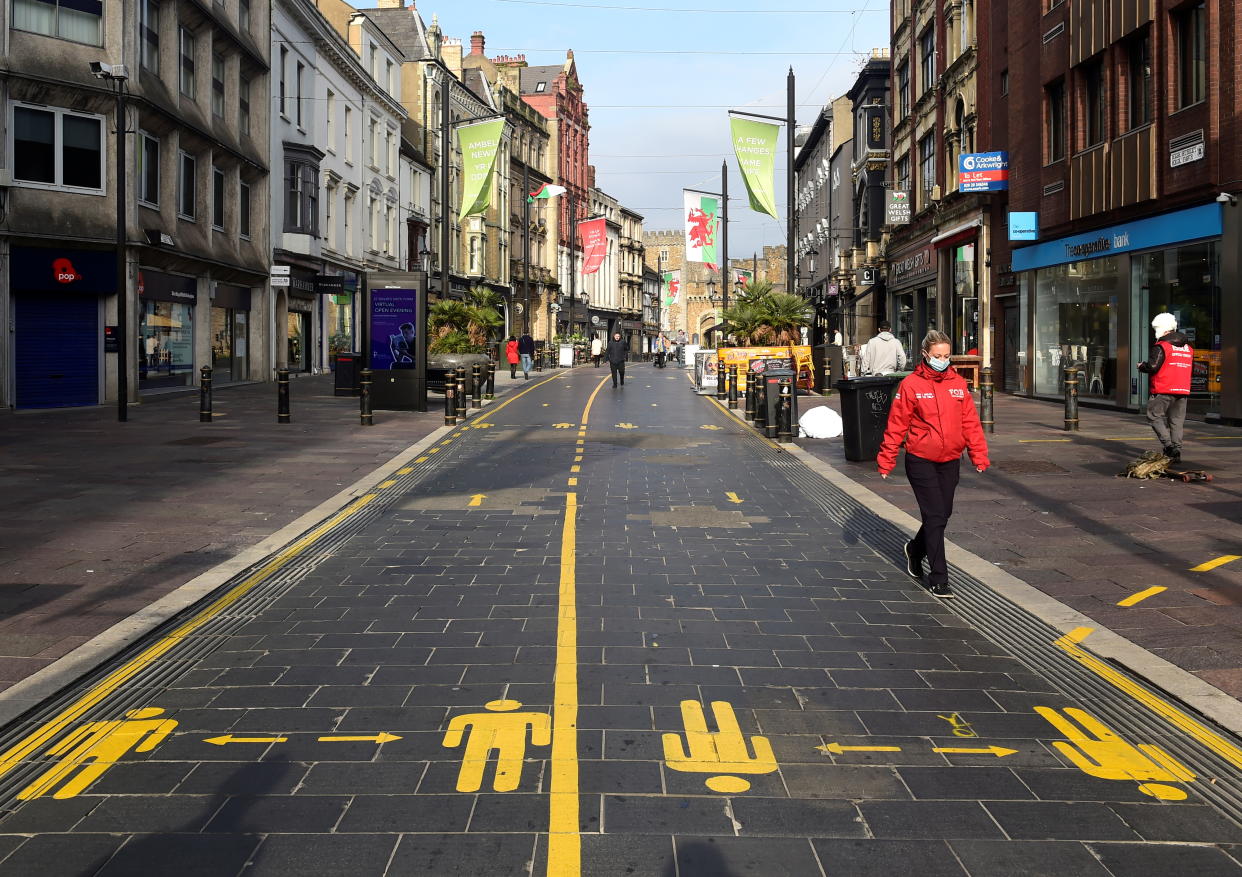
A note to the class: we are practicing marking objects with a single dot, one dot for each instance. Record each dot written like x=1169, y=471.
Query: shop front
x=299, y=332
x=165, y=330
x=1091, y=298
x=958, y=250
x=337, y=292
x=912, y=293
x=230, y=334
x=57, y=317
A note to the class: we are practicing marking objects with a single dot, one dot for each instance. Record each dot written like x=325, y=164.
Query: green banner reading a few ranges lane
x=754, y=144
x=479, y=144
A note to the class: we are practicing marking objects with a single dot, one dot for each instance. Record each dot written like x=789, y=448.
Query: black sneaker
x=1175, y=456
x=914, y=566
x=941, y=590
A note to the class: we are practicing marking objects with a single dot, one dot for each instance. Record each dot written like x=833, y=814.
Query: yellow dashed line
x=1141, y=596
x=384, y=484
x=573, y=482
x=1212, y=564
x=421, y=460
x=406, y=470
x=575, y=468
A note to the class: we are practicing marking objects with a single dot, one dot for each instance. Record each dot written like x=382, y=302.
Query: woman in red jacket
x=934, y=414
x=512, y=355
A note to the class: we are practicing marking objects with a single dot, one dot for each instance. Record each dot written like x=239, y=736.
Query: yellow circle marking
x=726, y=784
x=1163, y=792
x=502, y=706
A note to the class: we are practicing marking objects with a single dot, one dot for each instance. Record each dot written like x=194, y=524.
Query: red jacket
x=511, y=352
x=935, y=415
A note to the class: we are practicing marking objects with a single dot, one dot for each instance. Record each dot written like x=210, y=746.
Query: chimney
x=476, y=43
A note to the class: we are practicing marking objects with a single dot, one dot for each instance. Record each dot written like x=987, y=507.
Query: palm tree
x=464, y=326
x=754, y=290
x=786, y=314
x=746, y=321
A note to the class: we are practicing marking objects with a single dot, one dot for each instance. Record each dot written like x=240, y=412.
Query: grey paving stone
x=619, y=777
x=1027, y=858
x=193, y=855
x=511, y=812
x=1071, y=784
x=267, y=814
x=1041, y=820
x=612, y=855
x=335, y=855
x=703, y=856
x=341, y=778
x=783, y=817
x=928, y=819
x=46, y=815
x=57, y=853
x=643, y=814
x=1183, y=822
x=133, y=814
x=885, y=858
x=1145, y=859
x=242, y=778
x=843, y=782
x=964, y=783
x=464, y=855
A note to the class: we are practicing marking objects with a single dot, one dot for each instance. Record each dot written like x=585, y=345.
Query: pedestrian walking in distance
x=1170, y=365
x=934, y=414
x=526, y=350
x=597, y=349
x=512, y=355
x=617, y=352
x=883, y=353
x=661, y=351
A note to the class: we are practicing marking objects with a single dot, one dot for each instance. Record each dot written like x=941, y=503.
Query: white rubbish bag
x=820, y=423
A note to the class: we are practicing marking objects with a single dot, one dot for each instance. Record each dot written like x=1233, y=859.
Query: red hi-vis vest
x=1174, y=376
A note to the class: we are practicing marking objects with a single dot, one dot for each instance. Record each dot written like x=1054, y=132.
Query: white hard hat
x=1164, y=323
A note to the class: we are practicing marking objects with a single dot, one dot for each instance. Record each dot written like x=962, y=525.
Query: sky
x=659, y=77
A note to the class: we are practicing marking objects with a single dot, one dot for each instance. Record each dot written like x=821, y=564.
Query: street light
x=118, y=75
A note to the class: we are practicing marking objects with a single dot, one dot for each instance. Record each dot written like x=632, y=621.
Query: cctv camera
x=100, y=70
x=1226, y=198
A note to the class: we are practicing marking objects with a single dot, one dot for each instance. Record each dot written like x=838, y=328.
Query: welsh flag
x=547, y=190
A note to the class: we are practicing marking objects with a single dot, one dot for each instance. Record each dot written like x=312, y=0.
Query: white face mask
x=938, y=364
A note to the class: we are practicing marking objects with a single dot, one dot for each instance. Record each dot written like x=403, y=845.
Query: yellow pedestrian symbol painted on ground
x=93, y=748
x=476, y=500
x=1097, y=751
x=711, y=426
x=626, y=426
x=721, y=752
x=561, y=425
x=502, y=731
x=961, y=727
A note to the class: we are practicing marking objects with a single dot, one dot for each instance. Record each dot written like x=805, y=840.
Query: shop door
x=56, y=356
x=1012, y=345
x=299, y=341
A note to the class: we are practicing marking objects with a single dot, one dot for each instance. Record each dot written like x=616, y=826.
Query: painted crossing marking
x=1213, y=564
x=838, y=749
x=476, y=500
x=385, y=484
x=382, y=737
x=1033, y=441
x=226, y=739
x=998, y=751
x=1141, y=596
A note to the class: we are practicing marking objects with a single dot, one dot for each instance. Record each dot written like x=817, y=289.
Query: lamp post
x=117, y=75
x=714, y=298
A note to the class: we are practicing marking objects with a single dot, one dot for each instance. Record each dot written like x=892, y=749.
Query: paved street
x=598, y=631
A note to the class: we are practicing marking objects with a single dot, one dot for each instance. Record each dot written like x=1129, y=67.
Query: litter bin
x=348, y=374
x=772, y=377
x=864, y=413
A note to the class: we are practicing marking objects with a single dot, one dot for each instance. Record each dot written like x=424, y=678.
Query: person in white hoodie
x=882, y=354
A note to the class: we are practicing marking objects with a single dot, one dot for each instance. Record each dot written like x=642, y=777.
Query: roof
x=473, y=79
x=532, y=76
x=404, y=28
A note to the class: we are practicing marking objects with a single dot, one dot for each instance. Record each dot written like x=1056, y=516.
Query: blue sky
x=646, y=155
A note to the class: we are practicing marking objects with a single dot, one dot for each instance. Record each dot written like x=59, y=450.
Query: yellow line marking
x=405, y=471
x=730, y=415
x=446, y=442
x=229, y=738
x=1212, y=564
x=492, y=409
x=388, y=483
x=1070, y=645
x=998, y=751
x=1141, y=596
x=837, y=748
x=477, y=499
x=1196, y=438
x=382, y=737
x=434, y=451
x=573, y=482
x=578, y=459
x=1032, y=441
x=1126, y=438
x=575, y=468
x=421, y=460
x=36, y=740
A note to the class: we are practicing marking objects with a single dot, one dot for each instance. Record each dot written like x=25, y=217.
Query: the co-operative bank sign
x=983, y=171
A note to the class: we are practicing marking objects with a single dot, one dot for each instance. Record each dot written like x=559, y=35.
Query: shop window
x=1138, y=53
x=149, y=26
x=243, y=210
x=1054, y=121
x=57, y=149
x=1191, y=27
x=187, y=62
x=301, y=197
x=78, y=20
x=217, y=199
x=1076, y=316
x=167, y=333
x=927, y=59
x=148, y=170
x=187, y=189
x=217, y=86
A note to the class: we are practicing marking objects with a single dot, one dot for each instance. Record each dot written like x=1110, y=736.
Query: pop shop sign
x=983, y=171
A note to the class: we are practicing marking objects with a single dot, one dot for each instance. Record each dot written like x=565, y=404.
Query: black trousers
x=934, y=485
x=618, y=370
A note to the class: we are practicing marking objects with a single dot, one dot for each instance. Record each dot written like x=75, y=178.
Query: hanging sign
x=479, y=143
x=701, y=216
x=594, y=244
x=983, y=171
x=754, y=144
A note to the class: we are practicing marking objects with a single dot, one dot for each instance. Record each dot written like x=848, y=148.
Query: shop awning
x=958, y=235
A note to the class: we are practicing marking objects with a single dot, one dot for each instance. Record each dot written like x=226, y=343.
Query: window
x=374, y=66
x=1054, y=126
x=217, y=199
x=541, y=87
x=301, y=197
x=243, y=15
x=149, y=27
x=663, y=255
x=903, y=173
x=349, y=135
x=927, y=163
x=56, y=148
x=390, y=80
x=1093, y=102
x=476, y=261
x=903, y=90
x=186, y=188
x=243, y=210
x=77, y=20
x=1191, y=25
x=243, y=105
x=927, y=58
x=297, y=84
x=1004, y=82
x=390, y=150
x=1139, y=70
x=187, y=62
x=373, y=138
x=374, y=243
x=148, y=170
x=329, y=215
x=329, y=112
x=217, y=86
x=349, y=224
x=284, y=66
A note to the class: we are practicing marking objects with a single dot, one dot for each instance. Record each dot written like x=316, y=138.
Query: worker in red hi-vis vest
x=1170, y=365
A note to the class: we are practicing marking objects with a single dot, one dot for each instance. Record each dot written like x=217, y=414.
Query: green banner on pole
x=479, y=144
x=754, y=144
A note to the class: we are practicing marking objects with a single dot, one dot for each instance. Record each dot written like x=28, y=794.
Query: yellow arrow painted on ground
x=477, y=499
x=626, y=426
x=710, y=426
x=838, y=749
x=733, y=497
x=382, y=737
x=229, y=738
x=561, y=425
x=998, y=751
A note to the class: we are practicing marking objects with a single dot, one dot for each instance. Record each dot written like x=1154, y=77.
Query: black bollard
x=450, y=402
x=826, y=388
x=282, y=395
x=204, y=395
x=491, y=381
x=538, y=360
x=985, y=401
x=476, y=386
x=1071, y=399
x=733, y=386
x=364, y=398
x=751, y=395
x=761, y=402
x=784, y=412
x=461, y=394
x=722, y=391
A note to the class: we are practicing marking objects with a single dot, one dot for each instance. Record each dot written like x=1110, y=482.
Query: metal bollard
x=204, y=395
x=761, y=402
x=476, y=386
x=826, y=389
x=282, y=395
x=750, y=397
x=784, y=412
x=1071, y=399
x=491, y=382
x=450, y=402
x=985, y=401
x=722, y=391
x=733, y=386
x=461, y=394
x=364, y=397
